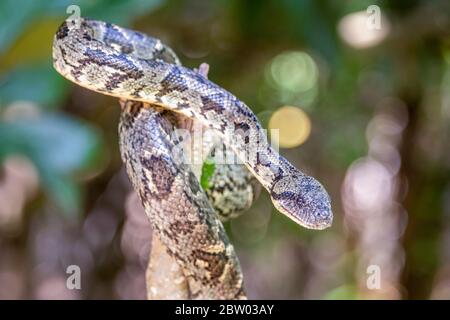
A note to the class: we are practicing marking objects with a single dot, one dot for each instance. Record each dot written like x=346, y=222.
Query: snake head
x=304, y=200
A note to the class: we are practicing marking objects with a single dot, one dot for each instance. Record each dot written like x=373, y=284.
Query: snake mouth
x=314, y=224
x=323, y=224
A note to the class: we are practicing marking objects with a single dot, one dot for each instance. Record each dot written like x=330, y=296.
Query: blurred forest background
x=364, y=110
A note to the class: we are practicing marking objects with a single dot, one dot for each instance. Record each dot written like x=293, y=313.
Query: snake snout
x=323, y=216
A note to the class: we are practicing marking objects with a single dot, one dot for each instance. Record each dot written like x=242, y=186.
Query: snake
x=158, y=95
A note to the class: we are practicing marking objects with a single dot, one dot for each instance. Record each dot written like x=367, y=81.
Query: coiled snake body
x=156, y=92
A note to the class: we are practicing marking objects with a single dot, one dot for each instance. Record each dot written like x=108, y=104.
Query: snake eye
x=304, y=200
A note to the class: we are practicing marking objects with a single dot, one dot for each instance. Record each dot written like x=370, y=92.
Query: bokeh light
x=294, y=77
x=366, y=185
x=369, y=195
x=19, y=184
x=294, y=71
x=356, y=32
x=293, y=124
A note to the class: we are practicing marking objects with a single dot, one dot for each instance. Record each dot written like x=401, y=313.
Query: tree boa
x=159, y=95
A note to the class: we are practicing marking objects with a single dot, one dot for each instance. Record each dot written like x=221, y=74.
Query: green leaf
x=59, y=146
x=208, y=168
x=15, y=17
x=120, y=12
x=37, y=83
x=345, y=292
x=63, y=190
x=114, y=11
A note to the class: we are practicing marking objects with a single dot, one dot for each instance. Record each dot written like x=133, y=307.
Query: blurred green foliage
x=57, y=143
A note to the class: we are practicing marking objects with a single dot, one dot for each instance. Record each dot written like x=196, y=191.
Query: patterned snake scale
x=155, y=91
